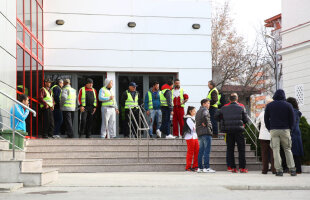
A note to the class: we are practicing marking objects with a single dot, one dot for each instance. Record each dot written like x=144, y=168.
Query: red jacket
x=86, y=89
x=240, y=104
x=177, y=100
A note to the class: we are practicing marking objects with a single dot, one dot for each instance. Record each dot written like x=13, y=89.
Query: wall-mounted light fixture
x=60, y=22
x=196, y=26
x=131, y=24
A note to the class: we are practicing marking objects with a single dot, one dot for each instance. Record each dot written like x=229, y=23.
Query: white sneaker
x=209, y=170
x=158, y=133
x=170, y=137
x=204, y=170
x=199, y=170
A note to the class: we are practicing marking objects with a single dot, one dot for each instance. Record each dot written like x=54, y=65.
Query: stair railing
x=14, y=118
x=136, y=128
x=252, y=135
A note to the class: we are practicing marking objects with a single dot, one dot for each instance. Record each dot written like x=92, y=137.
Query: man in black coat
x=279, y=120
x=234, y=117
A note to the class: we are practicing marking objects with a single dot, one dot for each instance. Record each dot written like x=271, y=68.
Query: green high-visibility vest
x=130, y=102
x=150, y=100
x=110, y=102
x=48, y=99
x=83, y=97
x=21, y=88
x=70, y=102
x=218, y=99
x=163, y=100
x=181, y=96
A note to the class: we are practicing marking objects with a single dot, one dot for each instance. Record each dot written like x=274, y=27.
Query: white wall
x=295, y=13
x=7, y=52
x=95, y=37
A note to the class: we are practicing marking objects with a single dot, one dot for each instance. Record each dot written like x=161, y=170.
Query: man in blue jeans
x=152, y=107
x=204, y=132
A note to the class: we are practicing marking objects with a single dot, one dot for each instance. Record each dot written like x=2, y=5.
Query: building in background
x=123, y=40
x=295, y=52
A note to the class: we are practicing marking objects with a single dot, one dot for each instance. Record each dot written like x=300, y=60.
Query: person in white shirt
x=190, y=135
x=264, y=138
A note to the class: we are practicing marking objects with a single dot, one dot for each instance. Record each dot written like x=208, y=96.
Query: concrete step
x=31, y=165
x=10, y=187
x=124, y=160
x=47, y=175
x=118, y=141
x=4, y=145
x=8, y=155
x=11, y=172
x=65, y=148
x=136, y=167
x=104, y=154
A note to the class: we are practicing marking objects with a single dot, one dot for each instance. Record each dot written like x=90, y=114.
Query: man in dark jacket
x=130, y=98
x=57, y=112
x=279, y=120
x=204, y=132
x=234, y=117
x=166, y=108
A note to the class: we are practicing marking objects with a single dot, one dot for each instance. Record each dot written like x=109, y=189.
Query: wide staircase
x=124, y=155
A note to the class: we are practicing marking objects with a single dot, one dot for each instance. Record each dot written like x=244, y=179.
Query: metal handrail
x=137, y=132
x=253, y=137
x=13, y=114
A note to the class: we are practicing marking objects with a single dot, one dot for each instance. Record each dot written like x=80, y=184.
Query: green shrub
x=305, y=135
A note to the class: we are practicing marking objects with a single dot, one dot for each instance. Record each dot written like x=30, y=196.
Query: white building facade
x=296, y=52
x=95, y=41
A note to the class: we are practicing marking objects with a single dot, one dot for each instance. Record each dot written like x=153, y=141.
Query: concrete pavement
x=172, y=185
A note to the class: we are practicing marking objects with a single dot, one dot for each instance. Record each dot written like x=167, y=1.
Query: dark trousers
x=68, y=117
x=267, y=156
x=57, y=121
x=297, y=160
x=166, y=122
x=47, y=123
x=212, y=112
x=86, y=122
x=231, y=139
x=133, y=126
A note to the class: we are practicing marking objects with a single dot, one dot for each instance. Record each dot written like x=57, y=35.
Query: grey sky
x=249, y=15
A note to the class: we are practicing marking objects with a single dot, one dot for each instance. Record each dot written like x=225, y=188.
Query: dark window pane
x=34, y=17
x=27, y=40
x=40, y=77
x=34, y=79
x=27, y=74
x=20, y=69
x=27, y=13
x=19, y=32
x=20, y=10
x=40, y=29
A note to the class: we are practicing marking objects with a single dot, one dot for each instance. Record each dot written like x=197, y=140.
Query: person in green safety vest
x=47, y=103
x=166, y=108
x=88, y=102
x=130, y=98
x=213, y=95
x=108, y=110
x=68, y=106
x=152, y=107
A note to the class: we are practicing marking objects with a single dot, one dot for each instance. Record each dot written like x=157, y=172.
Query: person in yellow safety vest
x=56, y=90
x=68, y=106
x=130, y=98
x=88, y=102
x=108, y=109
x=179, y=98
x=152, y=107
x=47, y=103
x=213, y=95
x=166, y=108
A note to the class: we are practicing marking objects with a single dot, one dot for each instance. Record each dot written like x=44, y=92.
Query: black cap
x=133, y=84
x=89, y=80
x=48, y=80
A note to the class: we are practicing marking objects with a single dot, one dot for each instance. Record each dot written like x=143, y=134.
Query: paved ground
x=177, y=185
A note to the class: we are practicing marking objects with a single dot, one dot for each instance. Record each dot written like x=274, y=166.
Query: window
x=299, y=94
x=30, y=55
